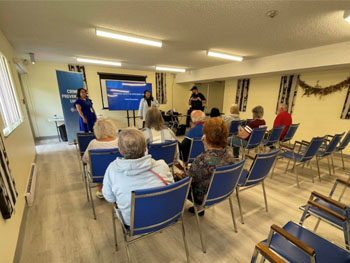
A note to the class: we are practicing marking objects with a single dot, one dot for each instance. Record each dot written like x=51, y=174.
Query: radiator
x=30, y=193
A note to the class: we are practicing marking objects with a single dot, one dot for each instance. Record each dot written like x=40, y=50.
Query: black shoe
x=191, y=210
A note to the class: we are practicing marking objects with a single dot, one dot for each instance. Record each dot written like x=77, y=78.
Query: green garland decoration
x=317, y=90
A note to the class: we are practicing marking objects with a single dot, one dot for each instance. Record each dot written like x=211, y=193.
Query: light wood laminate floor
x=60, y=228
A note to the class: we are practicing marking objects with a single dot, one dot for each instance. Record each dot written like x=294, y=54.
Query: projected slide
x=124, y=95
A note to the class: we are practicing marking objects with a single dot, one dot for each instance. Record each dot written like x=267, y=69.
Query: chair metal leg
x=199, y=228
x=127, y=248
x=255, y=256
x=86, y=182
x=287, y=165
x=342, y=159
x=114, y=230
x=296, y=175
x=185, y=241
x=239, y=205
x=199, y=224
x=342, y=193
x=265, y=199
x=317, y=224
x=318, y=169
x=273, y=169
x=92, y=202
x=332, y=163
x=329, y=165
x=233, y=215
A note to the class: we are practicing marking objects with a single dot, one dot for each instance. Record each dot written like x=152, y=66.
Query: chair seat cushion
x=326, y=251
x=325, y=215
x=291, y=155
x=322, y=153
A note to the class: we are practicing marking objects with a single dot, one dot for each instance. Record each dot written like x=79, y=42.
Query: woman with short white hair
x=233, y=116
x=105, y=132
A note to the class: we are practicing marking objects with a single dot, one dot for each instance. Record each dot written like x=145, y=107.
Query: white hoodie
x=126, y=175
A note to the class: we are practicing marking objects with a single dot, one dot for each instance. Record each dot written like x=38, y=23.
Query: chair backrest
x=234, y=127
x=333, y=143
x=256, y=137
x=155, y=208
x=83, y=140
x=290, y=133
x=313, y=148
x=223, y=182
x=274, y=135
x=99, y=162
x=163, y=151
x=344, y=142
x=260, y=167
x=196, y=148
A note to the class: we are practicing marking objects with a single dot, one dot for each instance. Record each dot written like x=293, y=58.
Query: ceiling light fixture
x=128, y=37
x=97, y=61
x=170, y=69
x=347, y=16
x=225, y=56
x=32, y=58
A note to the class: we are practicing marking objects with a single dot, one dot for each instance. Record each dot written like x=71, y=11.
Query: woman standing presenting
x=87, y=115
x=146, y=102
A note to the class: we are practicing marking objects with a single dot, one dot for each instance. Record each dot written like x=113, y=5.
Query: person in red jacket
x=283, y=118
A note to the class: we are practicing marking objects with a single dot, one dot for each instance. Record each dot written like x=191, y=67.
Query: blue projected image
x=123, y=95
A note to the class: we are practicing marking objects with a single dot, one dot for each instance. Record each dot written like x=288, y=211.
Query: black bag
x=181, y=130
x=63, y=132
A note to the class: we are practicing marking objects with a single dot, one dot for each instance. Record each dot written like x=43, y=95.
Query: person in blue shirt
x=87, y=114
x=197, y=117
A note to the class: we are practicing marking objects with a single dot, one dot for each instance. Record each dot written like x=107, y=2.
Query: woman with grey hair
x=233, y=116
x=134, y=171
x=244, y=133
x=105, y=132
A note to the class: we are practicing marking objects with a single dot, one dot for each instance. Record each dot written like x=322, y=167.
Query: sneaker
x=99, y=195
x=191, y=210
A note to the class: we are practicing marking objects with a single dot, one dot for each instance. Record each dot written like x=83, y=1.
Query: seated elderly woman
x=105, y=132
x=233, y=116
x=244, y=133
x=132, y=172
x=215, y=133
x=155, y=130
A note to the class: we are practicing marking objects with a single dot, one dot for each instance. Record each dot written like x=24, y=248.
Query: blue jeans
x=236, y=142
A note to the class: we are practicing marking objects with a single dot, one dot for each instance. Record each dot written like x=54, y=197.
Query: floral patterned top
x=202, y=168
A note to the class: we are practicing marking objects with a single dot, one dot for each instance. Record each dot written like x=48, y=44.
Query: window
x=9, y=107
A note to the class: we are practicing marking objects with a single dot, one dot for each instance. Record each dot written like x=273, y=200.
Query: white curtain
x=288, y=91
x=242, y=94
x=346, y=109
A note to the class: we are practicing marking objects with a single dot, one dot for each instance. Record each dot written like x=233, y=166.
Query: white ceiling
x=61, y=30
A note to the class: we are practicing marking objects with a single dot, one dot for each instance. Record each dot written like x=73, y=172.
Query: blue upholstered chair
x=329, y=210
x=163, y=151
x=152, y=210
x=343, y=144
x=254, y=141
x=221, y=186
x=294, y=243
x=234, y=127
x=196, y=148
x=99, y=162
x=256, y=175
x=327, y=151
x=274, y=136
x=83, y=140
x=290, y=133
x=302, y=153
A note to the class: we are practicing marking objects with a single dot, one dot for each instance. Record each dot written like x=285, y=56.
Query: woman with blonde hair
x=155, y=131
x=233, y=116
x=105, y=132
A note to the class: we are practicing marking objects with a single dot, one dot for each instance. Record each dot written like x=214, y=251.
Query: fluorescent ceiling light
x=225, y=56
x=170, y=69
x=96, y=61
x=347, y=16
x=128, y=37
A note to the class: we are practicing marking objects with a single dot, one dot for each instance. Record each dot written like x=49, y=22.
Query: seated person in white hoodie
x=133, y=172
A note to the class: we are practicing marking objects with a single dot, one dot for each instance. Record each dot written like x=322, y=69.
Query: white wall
x=21, y=152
